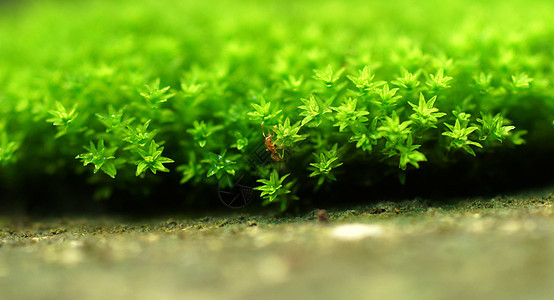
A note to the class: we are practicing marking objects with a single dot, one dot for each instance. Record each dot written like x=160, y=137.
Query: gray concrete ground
x=499, y=248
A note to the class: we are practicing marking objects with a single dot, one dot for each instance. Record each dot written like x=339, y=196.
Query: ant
x=271, y=145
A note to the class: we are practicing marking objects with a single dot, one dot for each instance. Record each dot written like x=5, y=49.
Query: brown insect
x=271, y=145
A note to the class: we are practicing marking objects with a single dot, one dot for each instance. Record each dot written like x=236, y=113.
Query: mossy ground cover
x=126, y=101
x=163, y=104
x=477, y=248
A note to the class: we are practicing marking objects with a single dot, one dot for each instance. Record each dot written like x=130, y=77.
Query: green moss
x=390, y=87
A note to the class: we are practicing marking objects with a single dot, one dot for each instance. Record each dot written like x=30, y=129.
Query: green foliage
x=364, y=80
x=152, y=159
x=493, y=129
x=101, y=157
x=219, y=164
x=425, y=115
x=7, y=148
x=438, y=82
x=327, y=75
x=366, y=137
x=262, y=112
x=408, y=80
x=521, y=81
x=355, y=87
x=241, y=141
x=408, y=154
x=393, y=130
x=202, y=131
x=312, y=112
x=459, y=135
x=63, y=119
x=138, y=136
x=387, y=99
x=154, y=96
x=326, y=161
x=347, y=115
x=274, y=189
x=113, y=120
x=287, y=134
